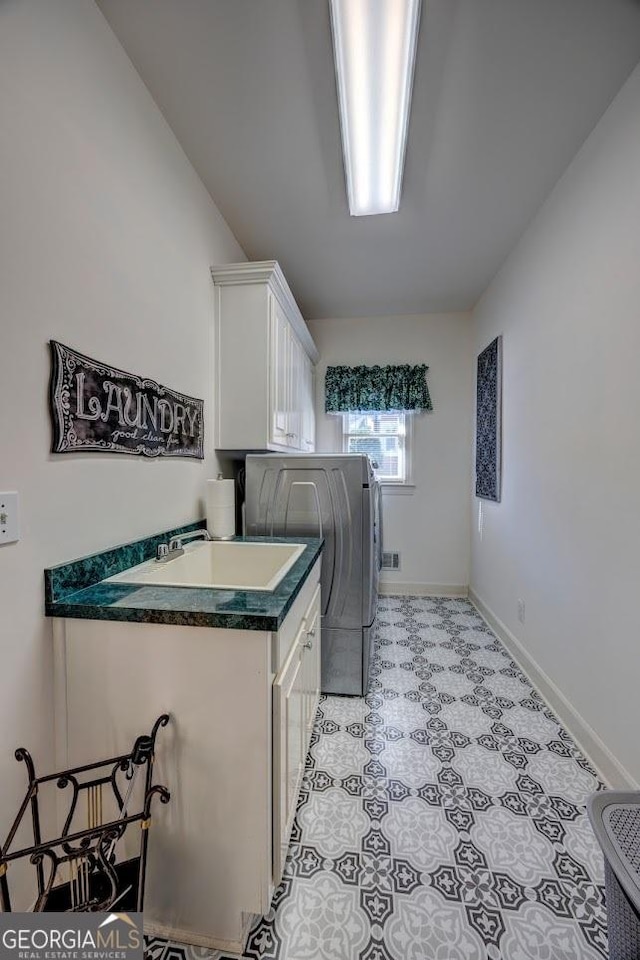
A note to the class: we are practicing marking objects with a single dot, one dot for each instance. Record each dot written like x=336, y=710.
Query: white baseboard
x=176, y=935
x=608, y=766
x=390, y=588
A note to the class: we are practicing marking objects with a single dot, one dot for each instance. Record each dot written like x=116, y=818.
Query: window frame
x=407, y=415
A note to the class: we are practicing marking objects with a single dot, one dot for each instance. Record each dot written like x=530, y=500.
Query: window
x=384, y=436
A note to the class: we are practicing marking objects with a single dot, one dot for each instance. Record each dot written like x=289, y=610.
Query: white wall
x=106, y=239
x=430, y=524
x=566, y=536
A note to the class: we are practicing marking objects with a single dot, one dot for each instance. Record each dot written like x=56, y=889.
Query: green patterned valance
x=401, y=387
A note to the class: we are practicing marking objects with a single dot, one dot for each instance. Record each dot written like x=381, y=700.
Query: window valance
x=400, y=387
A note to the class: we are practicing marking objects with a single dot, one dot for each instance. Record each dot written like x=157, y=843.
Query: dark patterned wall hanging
x=489, y=422
x=97, y=408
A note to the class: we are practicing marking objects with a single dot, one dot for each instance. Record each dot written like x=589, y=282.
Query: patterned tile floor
x=442, y=818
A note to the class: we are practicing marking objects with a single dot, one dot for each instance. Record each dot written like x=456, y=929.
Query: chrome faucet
x=176, y=543
x=175, y=547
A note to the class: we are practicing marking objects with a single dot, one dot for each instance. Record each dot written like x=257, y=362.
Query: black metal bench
x=83, y=869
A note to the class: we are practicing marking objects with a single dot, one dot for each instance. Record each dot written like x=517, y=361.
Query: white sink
x=223, y=565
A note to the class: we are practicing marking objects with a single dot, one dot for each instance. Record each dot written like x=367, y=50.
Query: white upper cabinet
x=265, y=362
x=307, y=386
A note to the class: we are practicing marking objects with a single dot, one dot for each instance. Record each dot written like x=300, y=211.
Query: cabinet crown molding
x=269, y=272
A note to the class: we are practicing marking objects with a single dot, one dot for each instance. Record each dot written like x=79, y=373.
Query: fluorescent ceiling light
x=374, y=47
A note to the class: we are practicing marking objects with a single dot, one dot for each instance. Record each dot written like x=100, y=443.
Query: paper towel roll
x=221, y=508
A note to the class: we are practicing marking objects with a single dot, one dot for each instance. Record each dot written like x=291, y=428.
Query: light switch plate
x=9, y=521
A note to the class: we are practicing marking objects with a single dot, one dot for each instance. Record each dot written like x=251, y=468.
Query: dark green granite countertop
x=77, y=590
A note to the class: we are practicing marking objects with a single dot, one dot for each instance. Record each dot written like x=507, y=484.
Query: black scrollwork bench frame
x=82, y=869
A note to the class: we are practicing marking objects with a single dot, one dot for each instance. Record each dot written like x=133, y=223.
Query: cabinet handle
x=311, y=633
x=291, y=436
x=308, y=645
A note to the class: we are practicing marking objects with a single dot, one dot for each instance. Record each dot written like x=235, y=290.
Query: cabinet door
x=294, y=428
x=311, y=646
x=308, y=408
x=280, y=377
x=289, y=748
x=311, y=406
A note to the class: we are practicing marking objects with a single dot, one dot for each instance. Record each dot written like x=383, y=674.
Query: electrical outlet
x=9, y=523
x=521, y=610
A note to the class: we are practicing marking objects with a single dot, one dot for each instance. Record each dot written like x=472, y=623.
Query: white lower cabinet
x=242, y=704
x=296, y=690
x=311, y=665
x=288, y=751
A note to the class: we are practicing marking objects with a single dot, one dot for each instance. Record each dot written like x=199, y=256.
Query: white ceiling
x=505, y=93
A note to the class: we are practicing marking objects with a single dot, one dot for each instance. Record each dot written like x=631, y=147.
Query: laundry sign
x=98, y=408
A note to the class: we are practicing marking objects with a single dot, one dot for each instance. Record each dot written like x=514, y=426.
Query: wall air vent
x=390, y=561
